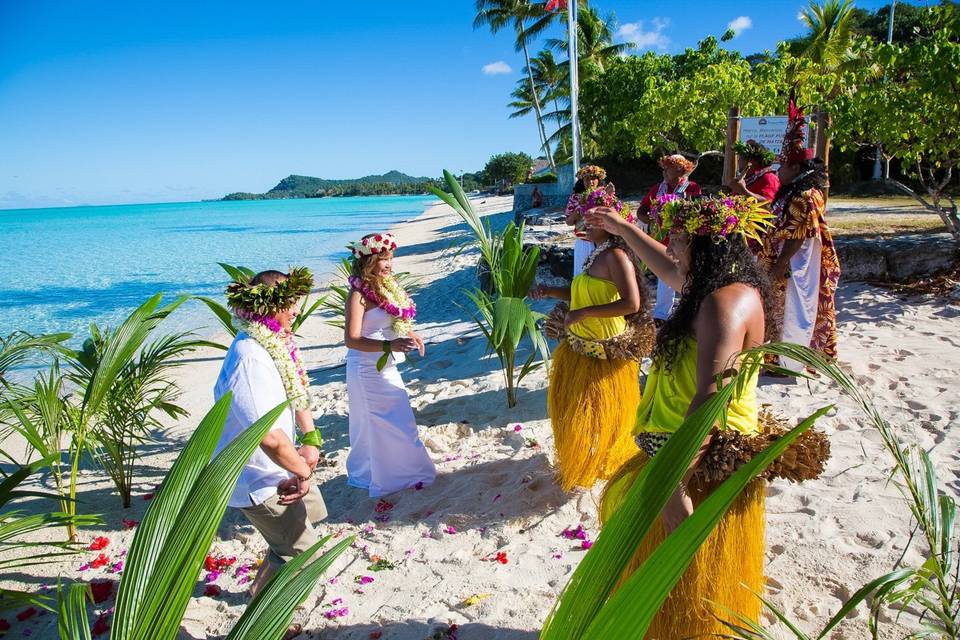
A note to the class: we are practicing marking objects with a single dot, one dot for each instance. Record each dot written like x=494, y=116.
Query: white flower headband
x=373, y=245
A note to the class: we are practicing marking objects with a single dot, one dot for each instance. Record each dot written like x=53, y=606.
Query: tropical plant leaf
x=222, y=314
x=632, y=608
x=598, y=572
x=72, y=621
x=509, y=321
x=270, y=613
x=237, y=273
x=160, y=518
x=12, y=599
x=162, y=603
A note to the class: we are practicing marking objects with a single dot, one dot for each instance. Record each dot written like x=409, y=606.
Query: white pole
x=877, y=174
x=574, y=83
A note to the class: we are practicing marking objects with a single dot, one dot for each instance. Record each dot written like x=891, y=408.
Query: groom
x=262, y=369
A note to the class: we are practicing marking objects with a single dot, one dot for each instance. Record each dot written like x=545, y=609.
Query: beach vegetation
x=892, y=100
x=906, y=103
x=932, y=588
x=586, y=608
x=500, y=14
x=503, y=314
x=171, y=543
x=18, y=522
x=509, y=168
x=103, y=405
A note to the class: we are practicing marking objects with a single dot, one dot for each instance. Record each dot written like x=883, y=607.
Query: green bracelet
x=312, y=438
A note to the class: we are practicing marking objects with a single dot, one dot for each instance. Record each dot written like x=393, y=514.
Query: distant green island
x=390, y=183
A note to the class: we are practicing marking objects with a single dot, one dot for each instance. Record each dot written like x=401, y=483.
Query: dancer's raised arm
x=651, y=252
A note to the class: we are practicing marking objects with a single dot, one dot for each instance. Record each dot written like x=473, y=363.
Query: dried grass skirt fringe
x=592, y=405
x=727, y=569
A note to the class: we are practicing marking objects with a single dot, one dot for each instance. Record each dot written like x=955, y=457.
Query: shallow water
x=64, y=268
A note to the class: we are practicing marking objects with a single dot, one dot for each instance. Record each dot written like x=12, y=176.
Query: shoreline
x=495, y=492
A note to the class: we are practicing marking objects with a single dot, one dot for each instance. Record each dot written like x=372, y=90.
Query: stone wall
x=891, y=259
x=555, y=194
x=906, y=257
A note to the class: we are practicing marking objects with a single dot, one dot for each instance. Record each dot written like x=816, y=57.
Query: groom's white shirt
x=249, y=372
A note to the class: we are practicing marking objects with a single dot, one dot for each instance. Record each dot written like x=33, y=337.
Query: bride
x=386, y=453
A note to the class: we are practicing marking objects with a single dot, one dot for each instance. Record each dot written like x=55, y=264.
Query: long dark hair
x=713, y=264
x=813, y=175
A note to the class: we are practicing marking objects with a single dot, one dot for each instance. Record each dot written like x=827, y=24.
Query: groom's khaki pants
x=288, y=529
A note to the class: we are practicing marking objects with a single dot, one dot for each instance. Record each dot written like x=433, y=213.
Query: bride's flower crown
x=373, y=245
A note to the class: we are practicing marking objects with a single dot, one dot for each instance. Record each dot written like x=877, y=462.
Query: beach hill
x=294, y=186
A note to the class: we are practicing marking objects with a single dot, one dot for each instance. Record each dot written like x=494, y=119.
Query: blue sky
x=128, y=101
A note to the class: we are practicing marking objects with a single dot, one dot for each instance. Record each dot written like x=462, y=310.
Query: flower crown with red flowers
x=374, y=244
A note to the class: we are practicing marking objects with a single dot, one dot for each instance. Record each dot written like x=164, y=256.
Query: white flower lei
x=295, y=381
x=398, y=303
x=609, y=243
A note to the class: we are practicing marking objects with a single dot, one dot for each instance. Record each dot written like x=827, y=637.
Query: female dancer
x=592, y=397
x=720, y=313
x=588, y=179
x=386, y=454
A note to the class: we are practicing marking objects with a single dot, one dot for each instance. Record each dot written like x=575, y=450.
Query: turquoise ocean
x=61, y=269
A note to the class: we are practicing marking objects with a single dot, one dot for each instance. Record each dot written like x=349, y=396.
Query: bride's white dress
x=386, y=453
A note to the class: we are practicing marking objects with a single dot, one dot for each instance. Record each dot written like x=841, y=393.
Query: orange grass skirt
x=726, y=570
x=593, y=406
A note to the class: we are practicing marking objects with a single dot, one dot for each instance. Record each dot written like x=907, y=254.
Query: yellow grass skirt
x=592, y=405
x=727, y=569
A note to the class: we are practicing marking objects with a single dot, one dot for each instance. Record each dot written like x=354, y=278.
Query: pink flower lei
x=289, y=341
x=408, y=312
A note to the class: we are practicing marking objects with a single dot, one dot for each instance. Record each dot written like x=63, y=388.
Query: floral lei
x=609, y=243
x=397, y=303
x=601, y=197
x=282, y=347
x=719, y=217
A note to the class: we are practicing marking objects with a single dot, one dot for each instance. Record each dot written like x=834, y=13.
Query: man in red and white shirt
x=676, y=181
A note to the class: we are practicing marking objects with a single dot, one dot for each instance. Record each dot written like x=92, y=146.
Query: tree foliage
x=509, y=167
x=908, y=103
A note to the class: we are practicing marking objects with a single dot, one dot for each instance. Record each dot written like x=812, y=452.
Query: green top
x=668, y=393
x=589, y=291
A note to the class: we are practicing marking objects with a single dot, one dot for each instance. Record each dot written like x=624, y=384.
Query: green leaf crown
x=267, y=300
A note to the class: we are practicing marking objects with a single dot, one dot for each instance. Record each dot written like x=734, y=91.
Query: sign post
x=729, y=155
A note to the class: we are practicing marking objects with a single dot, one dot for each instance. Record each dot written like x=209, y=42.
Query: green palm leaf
x=633, y=606
x=221, y=312
x=155, y=528
x=598, y=572
x=72, y=622
x=270, y=613
x=168, y=591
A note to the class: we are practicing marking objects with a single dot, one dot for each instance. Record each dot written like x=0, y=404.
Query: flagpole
x=574, y=83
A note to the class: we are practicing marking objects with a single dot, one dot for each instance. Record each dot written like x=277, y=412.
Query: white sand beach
x=494, y=492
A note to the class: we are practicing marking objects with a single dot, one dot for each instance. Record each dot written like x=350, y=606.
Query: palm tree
x=595, y=46
x=498, y=14
x=551, y=78
x=831, y=32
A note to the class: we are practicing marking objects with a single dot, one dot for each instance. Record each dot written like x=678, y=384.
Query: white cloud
x=495, y=68
x=644, y=38
x=740, y=24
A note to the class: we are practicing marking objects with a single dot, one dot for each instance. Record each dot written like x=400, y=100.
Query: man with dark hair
x=263, y=369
